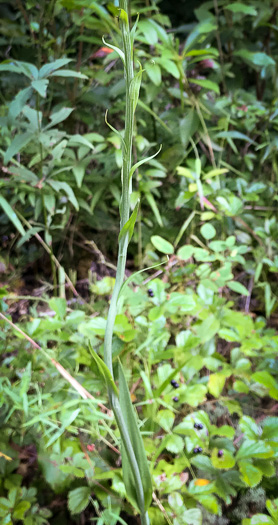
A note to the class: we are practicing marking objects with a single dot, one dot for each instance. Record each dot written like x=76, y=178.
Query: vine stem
x=121, y=262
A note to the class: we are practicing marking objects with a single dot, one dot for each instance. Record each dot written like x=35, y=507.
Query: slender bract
x=135, y=466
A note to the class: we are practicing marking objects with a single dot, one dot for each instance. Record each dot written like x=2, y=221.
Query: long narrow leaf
x=143, y=161
x=129, y=225
x=104, y=371
x=11, y=214
x=137, y=444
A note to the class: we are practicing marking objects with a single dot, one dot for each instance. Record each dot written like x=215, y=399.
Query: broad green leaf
x=129, y=225
x=17, y=105
x=215, y=173
x=250, y=474
x=266, y=379
x=64, y=186
x=59, y=305
x=194, y=395
x=20, y=509
x=68, y=73
x=252, y=449
x=272, y=507
x=154, y=72
x=78, y=499
x=40, y=86
x=185, y=252
x=191, y=517
x=208, y=328
x=17, y=144
x=24, y=174
x=208, y=231
x=104, y=371
x=174, y=444
x=237, y=287
x=79, y=140
x=49, y=68
x=162, y=245
x=207, y=84
x=58, y=116
x=137, y=444
x=148, y=31
x=11, y=214
x=226, y=461
x=257, y=59
x=165, y=418
x=169, y=66
x=216, y=384
x=259, y=519
x=238, y=7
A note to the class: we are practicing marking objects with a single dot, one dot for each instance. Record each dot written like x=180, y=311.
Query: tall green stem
x=121, y=263
x=125, y=201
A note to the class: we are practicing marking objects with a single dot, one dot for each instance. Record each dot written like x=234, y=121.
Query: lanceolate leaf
x=47, y=69
x=129, y=225
x=138, y=447
x=117, y=49
x=134, y=88
x=115, y=130
x=143, y=161
x=104, y=371
x=17, y=144
x=18, y=103
x=11, y=214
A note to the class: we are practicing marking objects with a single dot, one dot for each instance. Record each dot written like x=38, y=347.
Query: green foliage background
x=197, y=331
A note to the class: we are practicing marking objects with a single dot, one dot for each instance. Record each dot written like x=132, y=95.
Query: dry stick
x=160, y=506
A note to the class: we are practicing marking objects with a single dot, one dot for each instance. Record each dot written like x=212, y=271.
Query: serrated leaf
x=78, y=499
x=226, y=461
x=174, y=444
x=250, y=474
x=138, y=447
x=254, y=449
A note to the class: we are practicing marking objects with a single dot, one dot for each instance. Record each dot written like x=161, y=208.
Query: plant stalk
x=121, y=262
